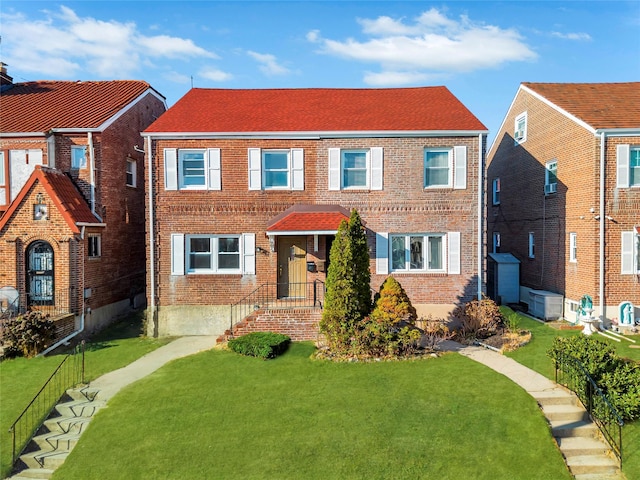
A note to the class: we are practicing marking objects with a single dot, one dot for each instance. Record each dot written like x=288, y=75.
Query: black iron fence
x=60, y=302
x=571, y=373
x=68, y=374
x=278, y=295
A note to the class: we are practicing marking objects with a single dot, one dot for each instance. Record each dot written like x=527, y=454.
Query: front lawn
x=221, y=415
x=20, y=378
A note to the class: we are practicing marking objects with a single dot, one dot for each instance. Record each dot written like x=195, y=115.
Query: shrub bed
x=27, y=335
x=260, y=344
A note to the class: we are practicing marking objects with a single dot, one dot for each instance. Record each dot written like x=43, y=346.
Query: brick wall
x=299, y=324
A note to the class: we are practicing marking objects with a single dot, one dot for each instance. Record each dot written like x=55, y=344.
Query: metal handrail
x=70, y=372
x=571, y=373
x=267, y=295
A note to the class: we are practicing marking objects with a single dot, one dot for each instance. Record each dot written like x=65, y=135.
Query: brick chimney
x=4, y=78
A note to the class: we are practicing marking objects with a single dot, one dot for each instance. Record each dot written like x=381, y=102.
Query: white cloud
x=63, y=45
x=432, y=43
x=572, y=36
x=268, y=64
x=215, y=75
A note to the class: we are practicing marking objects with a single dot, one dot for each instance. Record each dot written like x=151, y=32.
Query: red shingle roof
x=43, y=105
x=309, y=218
x=62, y=192
x=317, y=110
x=600, y=105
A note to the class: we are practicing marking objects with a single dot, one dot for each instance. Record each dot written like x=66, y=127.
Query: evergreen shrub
x=260, y=344
x=27, y=335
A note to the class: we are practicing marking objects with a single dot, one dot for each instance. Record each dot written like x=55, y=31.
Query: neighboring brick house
x=248, y=188
x=72, y=220
x=564, y=193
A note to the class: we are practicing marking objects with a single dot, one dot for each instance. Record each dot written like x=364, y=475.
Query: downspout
x=92, y=178
x=66, y=339
x=480, y=211
x=152, y=274
x=602, y=220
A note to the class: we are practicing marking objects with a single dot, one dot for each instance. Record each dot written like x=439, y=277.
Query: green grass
x=534, y=356
x=20, y=378
x=221, y=415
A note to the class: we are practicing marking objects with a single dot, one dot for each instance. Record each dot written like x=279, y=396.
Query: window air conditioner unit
x=550, y=188
x=519, y=134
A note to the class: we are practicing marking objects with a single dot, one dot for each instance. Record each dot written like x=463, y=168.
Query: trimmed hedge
x=260, y=344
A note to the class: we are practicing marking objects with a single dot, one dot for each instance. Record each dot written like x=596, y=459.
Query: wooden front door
x=292, y=267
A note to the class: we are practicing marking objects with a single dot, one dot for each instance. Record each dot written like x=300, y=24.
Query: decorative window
x=78, y=156
x=131, y=173
x=276, y=169
x=630, y=252
x=551, y=177
x=212, y=254
x=532, y=245
x=573, y=247
x=520, y=128
x=94, y=246
x=496, y=191
x=496, y=242
x=357, y=169
x=192, y=169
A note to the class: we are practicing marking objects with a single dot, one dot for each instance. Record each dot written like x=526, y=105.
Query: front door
x=292, y=267
x=40, y=274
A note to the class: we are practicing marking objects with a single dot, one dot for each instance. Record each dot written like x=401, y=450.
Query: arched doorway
x=40, y=274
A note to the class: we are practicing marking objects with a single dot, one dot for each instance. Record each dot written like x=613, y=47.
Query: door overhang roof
x=302, y=219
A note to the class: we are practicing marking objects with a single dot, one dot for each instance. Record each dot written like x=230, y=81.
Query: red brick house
x=564, y=193
x=247, y=189
x=72, y=198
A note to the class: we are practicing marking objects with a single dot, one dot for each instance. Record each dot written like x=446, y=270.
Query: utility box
x=545, y=305
x=503, y=278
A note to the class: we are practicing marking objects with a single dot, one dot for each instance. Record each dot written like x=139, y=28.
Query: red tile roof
x=600, y=105
x=309, y=218
x=317, y=110
x=62, y=192
x=43, y=105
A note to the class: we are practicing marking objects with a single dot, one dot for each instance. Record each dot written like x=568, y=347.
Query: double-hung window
x=573, y=247
x=532, y=245
x=78, y=157
x=628, y=166
x=94, y=246
x=445, y=167
x=192, y=169
x=280, y=169
x=496, y=242
x=213, y=254
x=630, y=252
x=551, y=177
x=131, y=173
x=520, y=128
x=496, y=191
x=355, y=169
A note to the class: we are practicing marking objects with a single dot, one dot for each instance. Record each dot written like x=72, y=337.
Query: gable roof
x=44, y=105
x=317, y=110
x=308, y=219
x=600, y=105
x=62, y=192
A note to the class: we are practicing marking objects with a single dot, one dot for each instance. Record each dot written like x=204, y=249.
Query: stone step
x=579, y=446
x=82, y=393
x=592, y=464
x=600, y=476
x=78, y=408
x=49, y=459
x=56, y=440
x=581, y=428
x=66, y=425
x=33, y=473
x=555, y=397
x=565, y=412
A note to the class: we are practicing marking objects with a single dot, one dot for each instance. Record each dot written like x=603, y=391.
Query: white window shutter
x=297, y=169
x=170, y=169
x=255, y=169
x=623, y=154
x=334, y=169
x=215, y=179
x=377, y=160
x=460, y=167
x=626, y=253
x=382, y=253
x=249, y=253
x=454, y=253
x=177, y=254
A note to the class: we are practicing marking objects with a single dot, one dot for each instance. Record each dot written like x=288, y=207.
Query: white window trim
x=75, y=148
x=623, y=166
x=449, y=258
x=98, y=240
x=520, y=136
x=374, y=166
x=496, y=241
x=450, y=167
x=573, y=247
x=496, y=191
x=629, y=253
x=550, y=187
x=131, y=163
x=180, y=250
x=173, y=178
x=295, y=166
x=213, y=253
x=288, y=169
x=532, y=245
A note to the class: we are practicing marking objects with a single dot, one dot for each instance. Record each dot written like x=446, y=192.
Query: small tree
x=348, y=297
x=27, y=335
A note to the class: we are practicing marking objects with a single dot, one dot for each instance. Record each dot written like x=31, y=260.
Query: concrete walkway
x=111, y=383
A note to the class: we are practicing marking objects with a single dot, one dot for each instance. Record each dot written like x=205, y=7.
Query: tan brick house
x=564, y=194
x=72, y=198
x=248, y=187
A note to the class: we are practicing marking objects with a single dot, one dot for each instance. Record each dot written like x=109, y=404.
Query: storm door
x=292, y=267
x=40, y=274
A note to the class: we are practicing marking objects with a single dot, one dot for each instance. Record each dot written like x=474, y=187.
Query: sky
x=480, y=50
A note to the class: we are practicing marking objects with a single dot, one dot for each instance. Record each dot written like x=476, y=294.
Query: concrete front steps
x=58, y=435
x=587, y=455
